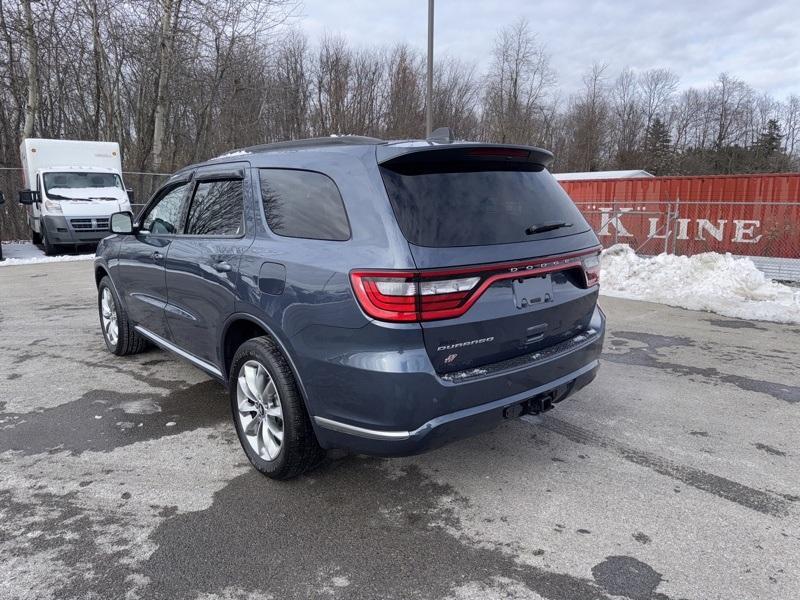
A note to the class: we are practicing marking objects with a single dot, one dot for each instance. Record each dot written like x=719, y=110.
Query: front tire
x=118, y=333
x=268, y=412
x=49, y=248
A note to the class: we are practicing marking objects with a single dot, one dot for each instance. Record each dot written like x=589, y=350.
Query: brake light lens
x=591, y=269
x=413, y=296
x=500, y=152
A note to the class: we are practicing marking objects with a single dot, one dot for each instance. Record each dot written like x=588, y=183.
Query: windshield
x=446, y=205
x=83, y=186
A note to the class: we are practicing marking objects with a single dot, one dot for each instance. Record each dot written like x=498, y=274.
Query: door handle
x=222, y=266
x=157, y=255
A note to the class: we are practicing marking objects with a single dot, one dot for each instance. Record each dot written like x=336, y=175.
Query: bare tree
x=456, y=97
x=170, y=9
x=588, y=122
x=32, y=105
x=177, y=81
x=658, y=86
x=405, y=99
x=628, y=119
x=516, y=86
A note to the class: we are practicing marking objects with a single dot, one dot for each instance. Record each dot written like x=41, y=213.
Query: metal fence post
x=675, y=232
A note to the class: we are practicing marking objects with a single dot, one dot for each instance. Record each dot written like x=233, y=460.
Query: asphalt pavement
x=676, y=474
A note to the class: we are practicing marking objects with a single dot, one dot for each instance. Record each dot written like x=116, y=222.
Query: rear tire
x=268, y=412
x=118, y=333
x=36, y=238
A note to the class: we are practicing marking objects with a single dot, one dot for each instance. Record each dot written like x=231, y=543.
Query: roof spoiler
x=438, y=150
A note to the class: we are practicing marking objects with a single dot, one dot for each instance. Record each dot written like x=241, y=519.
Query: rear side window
x=216, y=209
x=447, y=204
x=303, y=204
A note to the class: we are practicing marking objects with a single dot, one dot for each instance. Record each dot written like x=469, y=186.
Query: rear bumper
x=76, y=230
x=395, y=414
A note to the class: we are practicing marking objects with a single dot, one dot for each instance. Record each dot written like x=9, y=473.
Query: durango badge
x=464, y=344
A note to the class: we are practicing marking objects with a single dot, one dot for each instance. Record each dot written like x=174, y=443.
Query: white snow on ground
x=25, y=253
x=719, y=283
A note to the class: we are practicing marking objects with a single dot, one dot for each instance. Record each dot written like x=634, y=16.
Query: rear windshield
x=446, y=205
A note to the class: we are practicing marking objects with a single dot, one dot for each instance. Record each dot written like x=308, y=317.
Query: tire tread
x=302, y=452
x=129, y=341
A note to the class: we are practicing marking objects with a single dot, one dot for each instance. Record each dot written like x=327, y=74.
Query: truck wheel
x=36, y=238
x=120, y=336
x=268, y=412
x=48, y=247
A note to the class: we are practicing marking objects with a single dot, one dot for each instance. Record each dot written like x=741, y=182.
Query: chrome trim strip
x=372, y=434
x=157, y=339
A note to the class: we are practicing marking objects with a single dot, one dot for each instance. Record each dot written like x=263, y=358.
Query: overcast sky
x=755, y=40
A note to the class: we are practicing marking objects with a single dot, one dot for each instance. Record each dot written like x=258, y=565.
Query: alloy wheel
x=259, y=410
x=108, y=315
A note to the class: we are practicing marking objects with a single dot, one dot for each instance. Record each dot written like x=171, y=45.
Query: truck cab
x=72, y=189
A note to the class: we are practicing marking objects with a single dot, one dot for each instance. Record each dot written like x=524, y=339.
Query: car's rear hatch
x=493, y=218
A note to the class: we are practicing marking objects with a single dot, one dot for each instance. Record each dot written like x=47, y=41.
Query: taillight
x=387, y=296
x=412, y=296
x=591, y=269
x=404, y=296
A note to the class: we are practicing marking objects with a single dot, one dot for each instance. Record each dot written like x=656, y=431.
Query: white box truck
x=71, y=190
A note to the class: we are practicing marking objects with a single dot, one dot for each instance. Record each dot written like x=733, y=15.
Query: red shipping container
x=755, y=215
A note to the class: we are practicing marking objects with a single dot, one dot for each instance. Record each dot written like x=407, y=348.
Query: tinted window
x=303, y=204
x=165, y=216
x=475, y=205
x=216, y=209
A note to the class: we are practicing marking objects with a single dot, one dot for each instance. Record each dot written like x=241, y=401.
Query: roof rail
x=339, y=140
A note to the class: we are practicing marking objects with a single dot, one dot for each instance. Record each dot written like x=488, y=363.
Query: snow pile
x=229, y=154
x=25, y=253
x=719, y=283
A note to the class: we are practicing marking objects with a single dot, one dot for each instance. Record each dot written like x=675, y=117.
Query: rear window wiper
x=549, y=226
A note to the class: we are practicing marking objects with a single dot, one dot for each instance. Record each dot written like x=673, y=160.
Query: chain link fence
x=747, y=215
x=13, y=223
x=767, y=232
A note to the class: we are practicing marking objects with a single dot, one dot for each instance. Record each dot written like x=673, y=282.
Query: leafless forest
x=177, y=81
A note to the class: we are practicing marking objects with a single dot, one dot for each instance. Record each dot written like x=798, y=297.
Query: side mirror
x=2, y=198
x=122, y=222
x=28, y=197
x=131, y=195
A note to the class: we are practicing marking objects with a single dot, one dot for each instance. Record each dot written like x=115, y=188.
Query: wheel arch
x=100, y=271
x=241, y=327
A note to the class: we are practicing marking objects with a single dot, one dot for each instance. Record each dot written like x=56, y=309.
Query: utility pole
x=429, y=90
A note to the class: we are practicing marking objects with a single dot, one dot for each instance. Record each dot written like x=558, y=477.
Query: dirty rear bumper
x=529, y=387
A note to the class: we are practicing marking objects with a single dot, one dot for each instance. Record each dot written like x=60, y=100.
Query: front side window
x=69, y=185
x=216, y=209
x=303, y=204
x=165, y=216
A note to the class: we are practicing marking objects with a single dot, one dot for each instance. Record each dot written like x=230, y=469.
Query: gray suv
x=382, y=297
